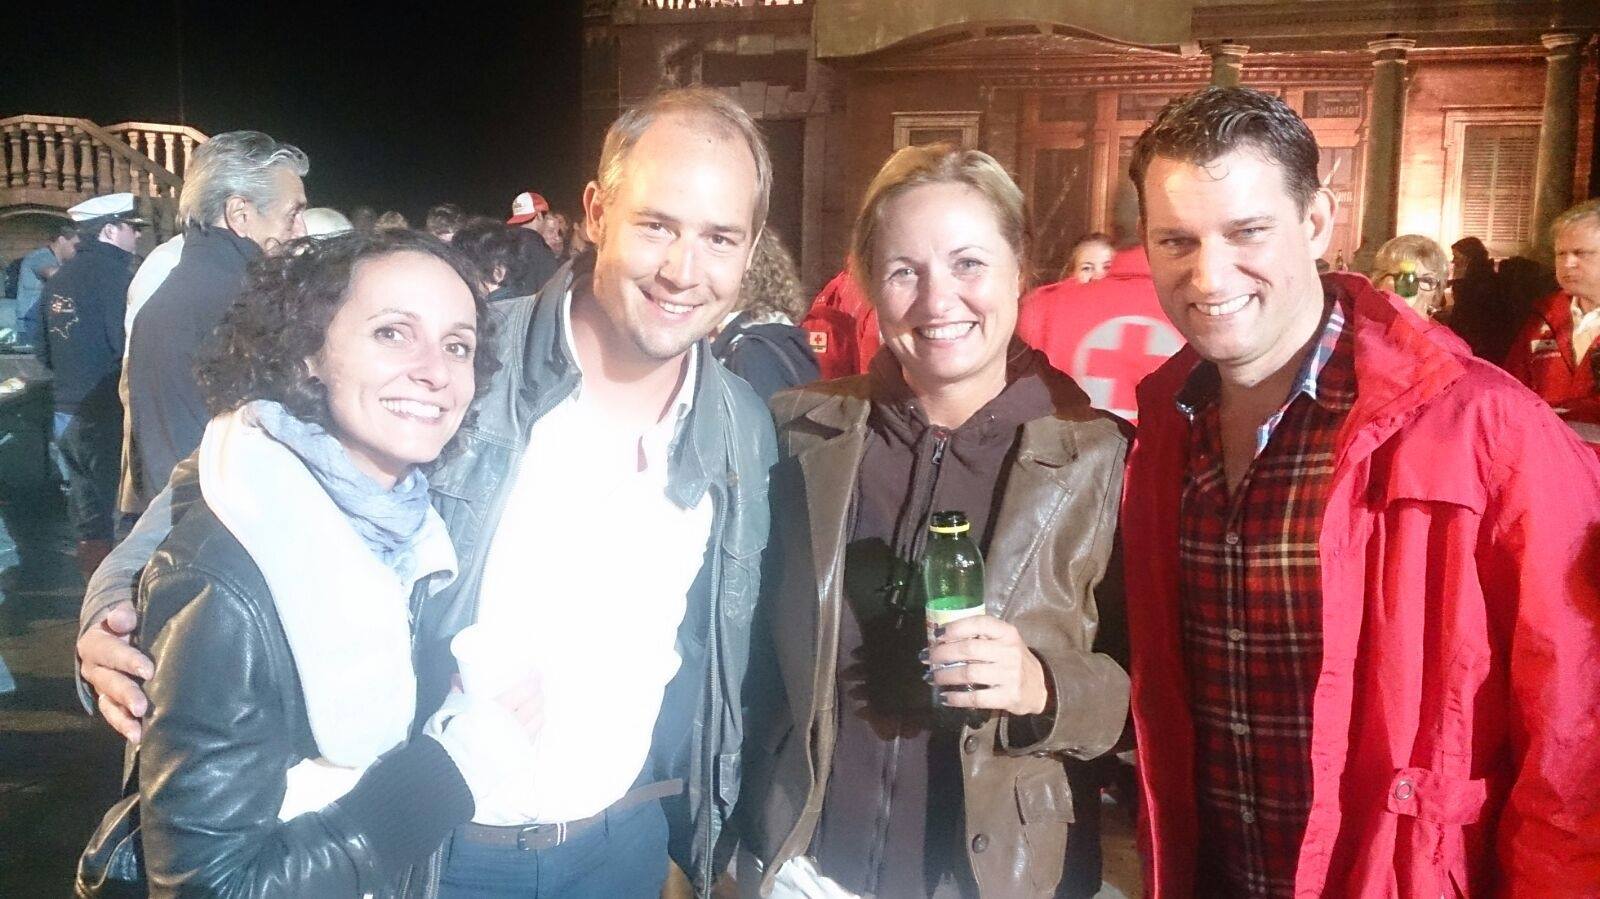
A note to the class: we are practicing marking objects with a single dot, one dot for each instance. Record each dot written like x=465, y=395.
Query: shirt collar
x=682, y=401
x=1204, y=384
x=1582, y=320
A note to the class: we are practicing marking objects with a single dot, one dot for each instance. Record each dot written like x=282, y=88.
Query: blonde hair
x=1411, y=248
x=701, y=105
x=1587, y=212
x=913, y=167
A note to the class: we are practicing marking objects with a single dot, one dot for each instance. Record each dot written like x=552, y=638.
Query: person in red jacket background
x=1556, y=353
x=1363, y=566
x=842, y=328
x=1107, y=334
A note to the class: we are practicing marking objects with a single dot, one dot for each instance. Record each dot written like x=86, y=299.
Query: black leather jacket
x=226, y=723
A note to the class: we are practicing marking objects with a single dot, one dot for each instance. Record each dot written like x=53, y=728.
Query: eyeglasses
x=1424, y=282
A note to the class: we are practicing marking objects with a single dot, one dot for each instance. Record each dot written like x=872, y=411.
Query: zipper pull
x=941, y=437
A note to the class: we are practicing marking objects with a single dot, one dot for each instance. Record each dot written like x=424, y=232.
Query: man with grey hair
x=608, y=508
x=242, y=196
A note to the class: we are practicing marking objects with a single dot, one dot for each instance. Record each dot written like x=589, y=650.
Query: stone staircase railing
x=49, y=161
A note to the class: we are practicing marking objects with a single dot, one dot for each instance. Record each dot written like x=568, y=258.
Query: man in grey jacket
x=608, y=506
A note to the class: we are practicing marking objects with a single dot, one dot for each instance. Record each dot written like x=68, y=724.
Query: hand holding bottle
x=981, y=663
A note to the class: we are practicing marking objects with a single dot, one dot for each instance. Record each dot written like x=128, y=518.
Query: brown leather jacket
x=1051, y=574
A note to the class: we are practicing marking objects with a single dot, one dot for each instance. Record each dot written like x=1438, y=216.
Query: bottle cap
x=949, y=523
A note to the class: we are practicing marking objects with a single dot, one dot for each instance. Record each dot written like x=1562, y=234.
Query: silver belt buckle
x=540, y=831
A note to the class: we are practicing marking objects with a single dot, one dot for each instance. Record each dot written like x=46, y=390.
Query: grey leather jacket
x=726, y=447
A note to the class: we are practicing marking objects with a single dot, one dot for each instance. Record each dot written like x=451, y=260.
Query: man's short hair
x=234, y=163
x=1585, y=213
x=1212, y=122
x=63, y=231
x=704, y=106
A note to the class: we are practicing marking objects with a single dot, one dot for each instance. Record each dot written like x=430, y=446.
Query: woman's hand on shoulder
x=988, y=654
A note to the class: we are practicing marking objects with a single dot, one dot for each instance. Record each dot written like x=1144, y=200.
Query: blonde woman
x=852, y=788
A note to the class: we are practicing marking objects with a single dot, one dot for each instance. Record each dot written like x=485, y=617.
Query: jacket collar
x=228, y=246
x=1399, y=366
x=549, y=373
x=110, y=251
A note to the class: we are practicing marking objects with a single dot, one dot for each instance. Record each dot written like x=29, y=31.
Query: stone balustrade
x=46, y=160
x=53, y=163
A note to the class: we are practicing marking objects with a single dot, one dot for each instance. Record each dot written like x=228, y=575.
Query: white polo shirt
x=591, y=566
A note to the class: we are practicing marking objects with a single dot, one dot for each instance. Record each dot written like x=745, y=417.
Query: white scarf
x=345, y=614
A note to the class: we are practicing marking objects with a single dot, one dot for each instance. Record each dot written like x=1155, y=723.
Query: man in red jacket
x=1107, y=334
x=1363, y=566
x=1557, y=354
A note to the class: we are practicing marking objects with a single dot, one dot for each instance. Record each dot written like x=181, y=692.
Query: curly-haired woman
x=763, y=343
x=276, y=757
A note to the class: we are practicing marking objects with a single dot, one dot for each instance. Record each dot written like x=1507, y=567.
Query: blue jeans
x=621, y=858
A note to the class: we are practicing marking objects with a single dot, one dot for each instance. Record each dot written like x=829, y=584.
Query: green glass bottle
x=952, y=580
x=1405, y=283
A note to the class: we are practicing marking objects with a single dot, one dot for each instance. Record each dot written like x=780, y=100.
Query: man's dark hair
x=1214, y=121
x=63, y=231
x=445, y=218
x=491, y=244
x=259, y=351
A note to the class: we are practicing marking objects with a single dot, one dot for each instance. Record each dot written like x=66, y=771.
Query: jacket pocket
x=1044, y=804
x=1437, y=798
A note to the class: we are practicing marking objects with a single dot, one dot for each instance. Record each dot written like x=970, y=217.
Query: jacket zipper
x=891, y=764
x=713, y=711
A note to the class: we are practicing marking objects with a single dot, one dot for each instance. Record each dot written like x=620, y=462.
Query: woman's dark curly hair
x=259, y=351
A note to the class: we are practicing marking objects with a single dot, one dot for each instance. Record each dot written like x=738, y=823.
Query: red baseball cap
x=527, y=207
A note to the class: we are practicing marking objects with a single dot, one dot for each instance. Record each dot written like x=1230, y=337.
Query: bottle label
x=939, y=617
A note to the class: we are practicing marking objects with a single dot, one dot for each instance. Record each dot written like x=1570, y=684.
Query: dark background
x=399, y=105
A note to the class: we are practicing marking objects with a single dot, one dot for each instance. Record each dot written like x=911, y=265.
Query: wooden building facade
x=1450, y=118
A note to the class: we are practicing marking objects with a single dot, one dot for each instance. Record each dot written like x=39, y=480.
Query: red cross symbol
x=1132, y=350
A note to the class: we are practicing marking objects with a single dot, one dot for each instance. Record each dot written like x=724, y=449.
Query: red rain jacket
x=1455, y=746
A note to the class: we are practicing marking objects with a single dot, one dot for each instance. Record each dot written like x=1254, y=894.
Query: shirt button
x=970, y=744
x=1236, y=635
x=1240, y=728
x=980, y=842
x=1232, y=539
x=1247, y=816
x=1403, y=789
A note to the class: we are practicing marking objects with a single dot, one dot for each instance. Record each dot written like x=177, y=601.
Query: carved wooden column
x=35, y=170
x=166, y=143
x=69, y=158
x=86, y=163
x=14, y=141
x=1227, y=63
x=1558, y=132
x=47, y=148
x=1385, y=130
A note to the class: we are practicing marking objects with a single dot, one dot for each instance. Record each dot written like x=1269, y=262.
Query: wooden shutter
x=1497, y=166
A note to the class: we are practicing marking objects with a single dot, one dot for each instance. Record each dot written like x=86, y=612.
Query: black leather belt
x=532, y=837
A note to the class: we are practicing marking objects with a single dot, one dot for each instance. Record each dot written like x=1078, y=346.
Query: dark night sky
x=399, y=106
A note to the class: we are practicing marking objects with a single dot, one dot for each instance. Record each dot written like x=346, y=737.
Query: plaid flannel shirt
x=1252, y=617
